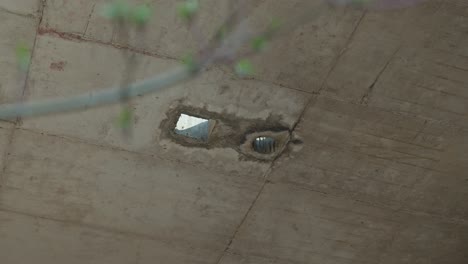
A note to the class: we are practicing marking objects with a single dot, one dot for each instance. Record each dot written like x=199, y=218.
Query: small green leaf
x=258, y=43
x=119, y=9
x=275, y=24
x=140, y=14
x=189, y=62
x=222, y=32
x=23, y=56
x=125, y=118
x=188, y=9
x=244, y=68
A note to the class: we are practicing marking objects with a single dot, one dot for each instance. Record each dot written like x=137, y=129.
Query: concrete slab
x=15, y=30
x=30, y=239
x=67, y=180
x=291, y=224
x=380, y=176
x=88, y=66
x=379, y=157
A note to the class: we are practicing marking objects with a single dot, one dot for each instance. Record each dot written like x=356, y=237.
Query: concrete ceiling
x=379, y=101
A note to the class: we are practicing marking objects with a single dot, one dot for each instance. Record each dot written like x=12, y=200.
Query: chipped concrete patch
x=85, y=67
x=230, y=131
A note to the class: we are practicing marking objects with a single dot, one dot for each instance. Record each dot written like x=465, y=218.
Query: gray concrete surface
x=378, y=99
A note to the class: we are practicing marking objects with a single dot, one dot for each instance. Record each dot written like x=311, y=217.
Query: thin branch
x=108, y=96
x=114, y=95
x=218, y=50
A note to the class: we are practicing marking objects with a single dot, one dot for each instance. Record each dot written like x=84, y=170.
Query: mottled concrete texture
x=377, y=103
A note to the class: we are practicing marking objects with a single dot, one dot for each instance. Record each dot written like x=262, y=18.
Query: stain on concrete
x=58, y=66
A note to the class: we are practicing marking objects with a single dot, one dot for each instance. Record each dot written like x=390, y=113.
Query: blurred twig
x=124, y=93
x=224, y=47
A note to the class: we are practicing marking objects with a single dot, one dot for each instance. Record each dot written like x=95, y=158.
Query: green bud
x=244, y=68
x=258, y=43
x=188, y=9
x=23, y=56
x=116, y=10
x=222, y=32
x=125, y=118
x=140, y=14
x=189, y=62
x=275, y=24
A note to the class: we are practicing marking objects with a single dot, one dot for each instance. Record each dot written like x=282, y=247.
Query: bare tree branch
x=114, y=95
x=220, y=49
x=108, y=96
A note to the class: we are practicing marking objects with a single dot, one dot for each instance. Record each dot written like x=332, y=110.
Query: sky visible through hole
x=191, y=126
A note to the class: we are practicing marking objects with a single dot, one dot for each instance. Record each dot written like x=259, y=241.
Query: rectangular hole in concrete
x=194, y=127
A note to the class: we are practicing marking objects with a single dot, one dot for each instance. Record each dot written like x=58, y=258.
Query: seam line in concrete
x=33, y=49
x=246, y=215
x=79, y=38
x=342, y=52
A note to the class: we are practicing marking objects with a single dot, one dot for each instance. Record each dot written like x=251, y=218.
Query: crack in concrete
x=89, y=19
x=365, y=98
x=342, y=52
x=246, y=215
